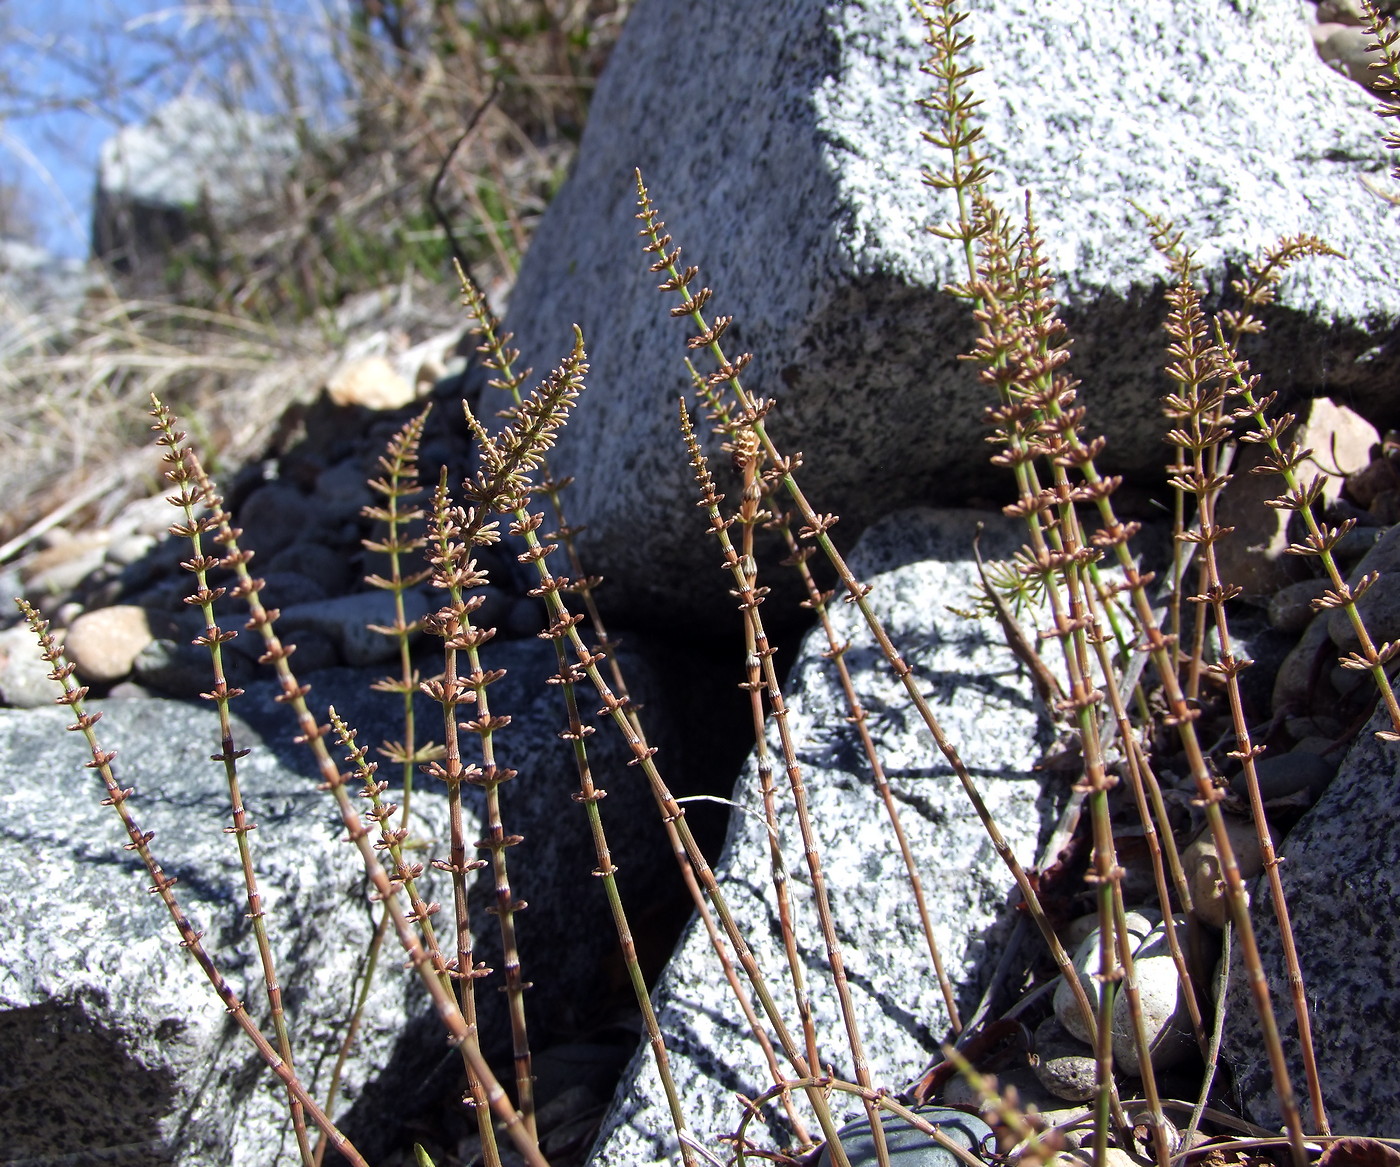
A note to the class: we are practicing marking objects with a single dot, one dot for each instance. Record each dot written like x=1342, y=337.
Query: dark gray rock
x=1379, y=610
x=179, y=668
x=1283, y=775
x=346, y=620
x=800, y=198
x=1316, y=653
x=1290, y=608
x=111, y=1043
x=918, y=561
x=1341, y=877
x=328, y=571
x=274, y=517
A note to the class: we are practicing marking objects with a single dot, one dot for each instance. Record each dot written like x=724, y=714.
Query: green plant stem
x=1183, y=717
x=450, y=691
x=399, y=483
x=763, y=765
x=489, y=777
x=588, y=797
x=817, y=602
x=816, y=530
x=875, y=1098
x=744, y=571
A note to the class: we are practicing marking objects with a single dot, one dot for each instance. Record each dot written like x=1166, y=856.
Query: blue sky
x=74, y=70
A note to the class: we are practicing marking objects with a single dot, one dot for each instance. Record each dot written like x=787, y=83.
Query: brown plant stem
x=190, y=496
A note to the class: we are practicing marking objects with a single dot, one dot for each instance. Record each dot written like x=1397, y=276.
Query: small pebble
x=1201, y=863
x=24, y=674
x=1347, y=51
x=1165, y=1015
x=1287, y=774
x=104, y=644
x=1290, y=608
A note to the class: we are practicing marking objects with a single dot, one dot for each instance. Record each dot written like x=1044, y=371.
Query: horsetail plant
x=1209, y=373
x=959, y=136
x=816, y=526
x=191, y=497
x=500, y=359
x=1088, y=582
x=412, y=928
x=398, y=484
x=525, y=524
x=747, y=455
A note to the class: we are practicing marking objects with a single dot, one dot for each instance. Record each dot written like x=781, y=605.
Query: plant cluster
x=1134, y=662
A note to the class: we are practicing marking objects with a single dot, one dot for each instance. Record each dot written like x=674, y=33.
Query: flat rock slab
x=918, y=561
x=111, y=1041
x=785, y=155
x=1341, y=879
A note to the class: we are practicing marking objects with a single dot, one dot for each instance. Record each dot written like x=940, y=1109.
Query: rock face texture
x=1341, y=878
x=191, y=155
x=111, y=1041
x=800, y=199
x=918, y=562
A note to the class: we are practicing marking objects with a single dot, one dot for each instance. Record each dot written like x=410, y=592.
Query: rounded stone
x=1348, y=51
x=907, y=1145
x=1285, y=775
x=105, y=644
x=1165, y=1015
x=24, y=674
x=1379, y=609
x=1201, y=862
x=1290, y=608
x=371, y=382
x=1064, y=1064
x=1341, y=12
x=1086, y=961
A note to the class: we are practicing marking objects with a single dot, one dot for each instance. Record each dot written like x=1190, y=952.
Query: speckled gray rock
x=800, y=198
x=1341, y=877
x=111, y=1042
x=918, y=562
x=24, y=677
